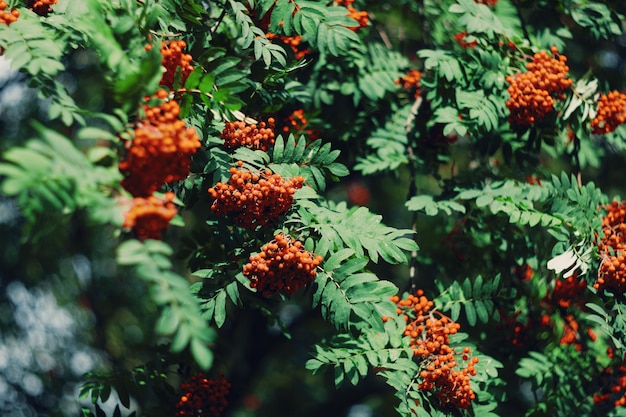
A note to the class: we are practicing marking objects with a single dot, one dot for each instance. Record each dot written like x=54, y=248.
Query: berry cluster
x=570, y=332
x=611, y=113
x=160, y=151
x=429, y=333
x=515, y=331
x=7, y=17
x=358, y=193
x=362, y=17
x=203, y=397
x=487, y=2
x=149, y=217
x=250, y=135
x=41, y=7
x=297, y=123
x=533, y=93
x=617, y=389
x=569, y=291
x=411, y=81
x=282, y=266
x=293, y=42
x=612, y=249
x=460, y=39
x=613, y=380
x=254, y=199
x=524, y=272
x=173, y=57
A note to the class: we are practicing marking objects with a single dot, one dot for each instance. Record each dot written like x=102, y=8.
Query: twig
x=408, y=127
x=218, y=21
x=381, y=32
x=577, y=161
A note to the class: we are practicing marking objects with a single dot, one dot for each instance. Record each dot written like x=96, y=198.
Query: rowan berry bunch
x=283, y=265
x=570, y=332
x=173, y=58
x=250, y=135
x=524, y=272
x=293, y=42
x=149, y=217
x=429, y=333
x=295, y=122
x=161, y=149
x=460, y=39
x=613, y=392
x=411, y=81
x=487, y=2
x=361, y=17
x=612, y=249
x=41, y=7
x=533, y=93
x=569, y=291
x=515, y=331
x=203, y=397
x=611, y=113
x=7, y=17
x=254, y=199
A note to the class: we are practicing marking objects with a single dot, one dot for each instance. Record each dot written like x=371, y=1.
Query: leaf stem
x=412, y=188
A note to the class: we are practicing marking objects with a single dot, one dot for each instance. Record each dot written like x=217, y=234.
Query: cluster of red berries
x=294, y=42
x=533, y=180
x=203, y=397
x=616, y=390
x=297, y=123
x=460, y=39
x=411, y=81
x=570, y=332
x=524, y=272
x=612, y=249
x=149, y=217
x=487, y=2
x=7, y=17
x=533, y=93
x=254, y=199
x=283, y=265
x=161, y=149
x=41, y=7
x=362, y=17
x=429, y=332
x=611, y=113
x=515, y=332
x=250, y=135
x=569, y=291
x=173, y=58
x=613, y=380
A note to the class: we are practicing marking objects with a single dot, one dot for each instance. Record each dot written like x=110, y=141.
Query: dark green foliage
x=427, y=187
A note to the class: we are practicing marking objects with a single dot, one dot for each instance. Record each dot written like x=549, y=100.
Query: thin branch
x=218, y=21
x=381, y=32
x=576, y=157
x=408, y=127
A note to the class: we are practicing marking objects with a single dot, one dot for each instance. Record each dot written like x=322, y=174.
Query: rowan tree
x=262, y=207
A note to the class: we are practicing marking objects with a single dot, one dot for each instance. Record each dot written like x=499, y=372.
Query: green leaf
x=335, y=260
x=181, y=339
x=219, y=314
x=168, y=321
x=201, y=354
